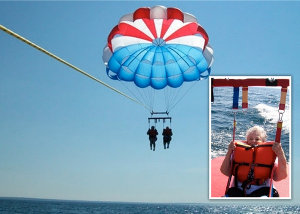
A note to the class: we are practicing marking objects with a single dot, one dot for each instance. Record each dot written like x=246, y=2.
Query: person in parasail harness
x=253, y=172
x=167, y=133
x=152, y=137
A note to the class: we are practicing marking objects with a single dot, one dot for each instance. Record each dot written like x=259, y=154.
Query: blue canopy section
x=158, y=66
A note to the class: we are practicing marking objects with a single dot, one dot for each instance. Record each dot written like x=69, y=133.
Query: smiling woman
x=251, y=163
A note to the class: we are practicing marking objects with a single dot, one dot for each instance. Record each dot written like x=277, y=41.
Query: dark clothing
x=152, y=137
x=152, y=133
x=167, y=133
x=264, y=191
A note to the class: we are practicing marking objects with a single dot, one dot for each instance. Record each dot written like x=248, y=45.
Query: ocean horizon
x=20, y=205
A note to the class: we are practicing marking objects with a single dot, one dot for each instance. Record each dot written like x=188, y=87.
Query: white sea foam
x=271, y=114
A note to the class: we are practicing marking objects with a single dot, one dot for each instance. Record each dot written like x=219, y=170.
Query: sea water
x=262, y=111
x=41, y=206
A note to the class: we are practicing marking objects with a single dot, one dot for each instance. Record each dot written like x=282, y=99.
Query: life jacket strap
x=253, y=164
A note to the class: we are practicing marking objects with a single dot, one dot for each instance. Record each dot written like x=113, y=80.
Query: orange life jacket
x=253, y=164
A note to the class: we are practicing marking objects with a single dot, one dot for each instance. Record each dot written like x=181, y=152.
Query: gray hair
x=257, y=129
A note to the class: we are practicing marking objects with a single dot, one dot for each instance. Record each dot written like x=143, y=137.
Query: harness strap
x=278, y=131
x=254, y=164
x=247, y=183
x=281, y=111
x=235, y=104
x=245, y=97
x=250, y=176
x=283, y=99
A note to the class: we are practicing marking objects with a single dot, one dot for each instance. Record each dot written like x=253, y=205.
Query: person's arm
x=280, y=171
x=226, y=165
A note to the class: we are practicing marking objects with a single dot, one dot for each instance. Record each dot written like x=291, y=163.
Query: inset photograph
x=250, y=137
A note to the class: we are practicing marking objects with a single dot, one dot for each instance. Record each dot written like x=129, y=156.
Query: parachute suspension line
x=173, y=105
x=128, y=89
x=185, y=93
x=147, y=95
x=176, y=95
x=173, y=97
x=167, y=95
x=151, y=93
x=166, y=90
x=142, y=94
x=6, y=30
x=170, y=122
x=137, y=95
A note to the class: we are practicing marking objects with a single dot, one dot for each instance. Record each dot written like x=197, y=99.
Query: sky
x=65, y=136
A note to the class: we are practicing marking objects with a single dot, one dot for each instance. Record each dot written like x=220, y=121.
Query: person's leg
x=151, y=144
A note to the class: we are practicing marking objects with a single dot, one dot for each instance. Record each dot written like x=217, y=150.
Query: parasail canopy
x=158, y=47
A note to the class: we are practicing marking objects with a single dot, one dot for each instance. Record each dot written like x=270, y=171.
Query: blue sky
x=65, y=136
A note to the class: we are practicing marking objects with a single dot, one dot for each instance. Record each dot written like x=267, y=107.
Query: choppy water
x=39, y=206
x=263, y=111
